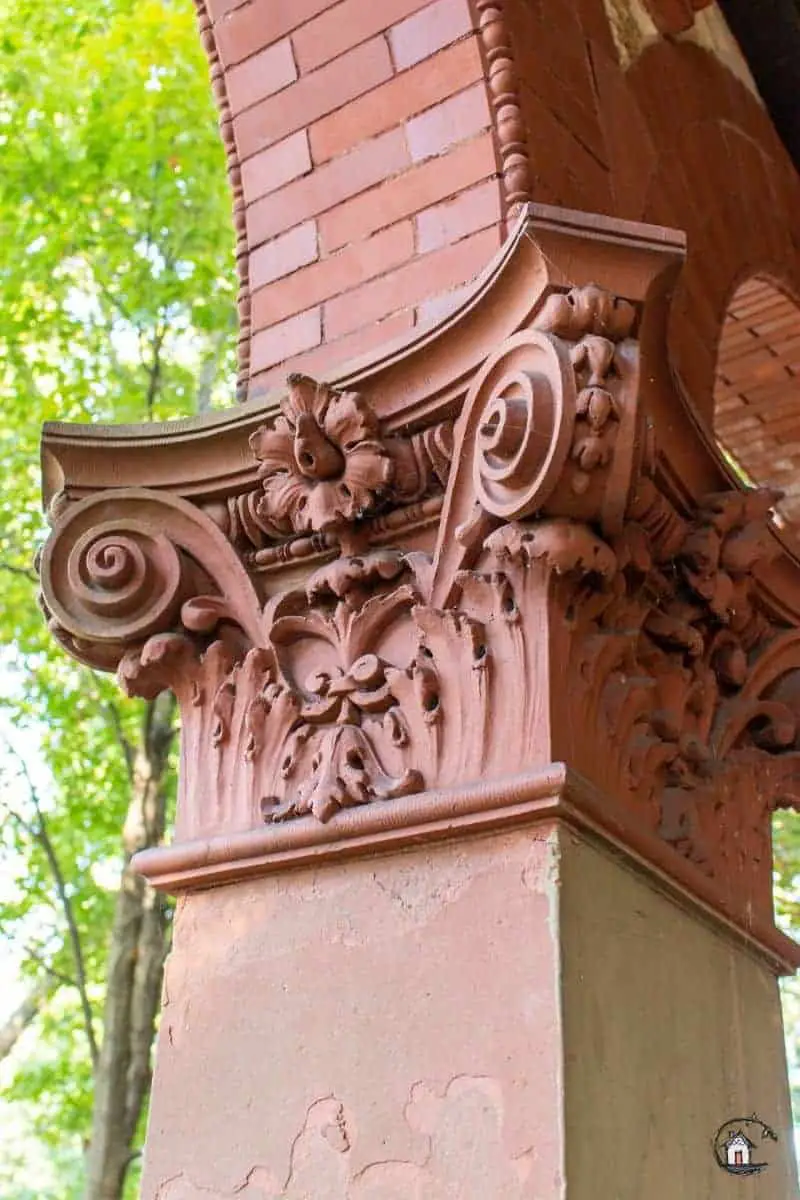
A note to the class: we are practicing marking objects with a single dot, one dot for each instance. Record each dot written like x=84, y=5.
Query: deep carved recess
x=370, y=622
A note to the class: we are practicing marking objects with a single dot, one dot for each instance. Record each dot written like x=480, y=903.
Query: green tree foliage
x=117, y=303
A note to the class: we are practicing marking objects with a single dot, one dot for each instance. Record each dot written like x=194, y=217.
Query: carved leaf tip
x=587, y=310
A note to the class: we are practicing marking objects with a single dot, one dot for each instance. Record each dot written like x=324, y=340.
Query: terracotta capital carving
x=504, y=545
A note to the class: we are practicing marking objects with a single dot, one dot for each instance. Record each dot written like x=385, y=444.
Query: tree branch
x=24, y=572
x=154, y=370
x=119, y=733
x=40, y=833
x=26, y=1011
x=56, y=975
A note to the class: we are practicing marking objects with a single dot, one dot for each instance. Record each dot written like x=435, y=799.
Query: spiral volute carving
x=525, y=417
x=118, y=567
x=120, y=582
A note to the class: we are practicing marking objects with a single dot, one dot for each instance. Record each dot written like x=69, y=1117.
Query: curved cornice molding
x=409, y=377
x=503, y=542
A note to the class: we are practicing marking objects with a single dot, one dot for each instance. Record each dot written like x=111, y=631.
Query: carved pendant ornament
x=511, y=581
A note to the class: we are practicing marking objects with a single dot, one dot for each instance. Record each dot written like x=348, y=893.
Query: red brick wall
x=366, y=169
x=364, y=142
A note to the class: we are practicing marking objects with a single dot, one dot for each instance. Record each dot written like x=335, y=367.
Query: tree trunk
x=135, y=970
x=25, y=1012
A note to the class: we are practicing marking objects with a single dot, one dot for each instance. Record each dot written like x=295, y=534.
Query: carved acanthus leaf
x=345, y=771
x=563, y=545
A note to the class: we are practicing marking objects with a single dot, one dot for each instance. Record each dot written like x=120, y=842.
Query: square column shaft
x=522, y=1014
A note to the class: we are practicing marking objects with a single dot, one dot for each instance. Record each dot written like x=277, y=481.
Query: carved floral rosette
x=391, y=609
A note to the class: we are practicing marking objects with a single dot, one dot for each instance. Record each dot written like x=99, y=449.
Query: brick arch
x=720, y=187
x=717, y=170
x=368, y=182
x=757, y=385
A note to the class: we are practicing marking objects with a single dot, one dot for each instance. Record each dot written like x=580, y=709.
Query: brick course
x=448, y=123
x=344, y=25
x=436, y=26
x=402, y=97
x=313, y=96
x=331, y=276
x=265, y=73
x=284, y=254
x=276, y=166
x=410, y=284
x=285, y=338
x=408, y=193
x=330, y=185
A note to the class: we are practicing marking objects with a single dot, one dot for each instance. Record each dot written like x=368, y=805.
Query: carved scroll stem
x=512, y=442
x=117, y=566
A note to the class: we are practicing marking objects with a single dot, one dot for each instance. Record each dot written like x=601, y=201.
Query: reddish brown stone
x=482, y=635
x=313, y=96
x=409, y=193
x=330, y=276
x=404, y=96
x=345, y=25
x=494, y=586
x=674, y=16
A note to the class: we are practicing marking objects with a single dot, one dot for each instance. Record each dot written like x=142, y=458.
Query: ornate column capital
x=497, y=572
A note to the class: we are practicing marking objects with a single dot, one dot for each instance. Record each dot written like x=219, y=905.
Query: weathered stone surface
x=477, y=1021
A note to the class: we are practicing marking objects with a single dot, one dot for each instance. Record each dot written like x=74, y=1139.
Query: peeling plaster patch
x=257, y=1185
x=632, y=29
x=466, y=1156
x=710, y=31
x=318, y=1163
x=537, y=870
x=421, y=895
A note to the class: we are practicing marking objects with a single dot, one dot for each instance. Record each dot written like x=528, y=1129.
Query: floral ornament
x=323, y=463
